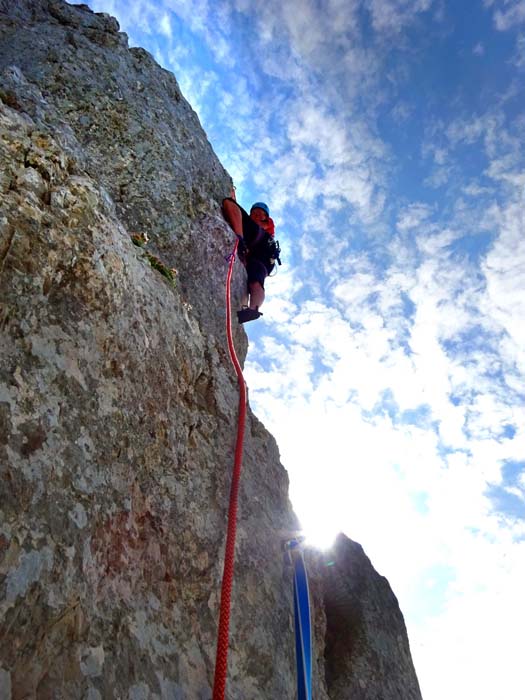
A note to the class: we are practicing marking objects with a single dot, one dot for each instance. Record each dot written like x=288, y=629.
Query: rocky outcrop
x=366, y=651
x=118, y=404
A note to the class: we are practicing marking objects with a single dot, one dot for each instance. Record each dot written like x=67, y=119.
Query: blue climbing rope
x=303, y=630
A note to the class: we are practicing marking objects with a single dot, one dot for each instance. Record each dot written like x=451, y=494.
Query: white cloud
x=478, y=49
x=141, y=15
x=457, y=638
x=519, y=54
x=165, y=26
x=504, y=269
x=394, y=15
x=401, y=112
x=413, y=216
x=512, y=15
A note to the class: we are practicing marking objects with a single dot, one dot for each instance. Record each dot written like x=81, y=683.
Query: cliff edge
x=118, y=405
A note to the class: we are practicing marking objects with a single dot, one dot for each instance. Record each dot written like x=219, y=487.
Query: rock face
x=366, y=651
x=118, y=404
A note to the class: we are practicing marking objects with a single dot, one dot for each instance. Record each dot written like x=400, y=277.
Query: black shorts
x=256, y=270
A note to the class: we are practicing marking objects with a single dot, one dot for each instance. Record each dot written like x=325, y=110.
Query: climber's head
x=260, y=212
x=261, y=205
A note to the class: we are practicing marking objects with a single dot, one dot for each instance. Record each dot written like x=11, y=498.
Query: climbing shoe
x=247, y=314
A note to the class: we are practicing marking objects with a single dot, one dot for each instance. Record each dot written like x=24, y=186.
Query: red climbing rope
x=221, y=660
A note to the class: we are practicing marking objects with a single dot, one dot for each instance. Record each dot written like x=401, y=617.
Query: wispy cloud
x=394, y=15
x=413, y=216
x=512, y=14
x=518, y=59
x=165, y=26
x=478, y=49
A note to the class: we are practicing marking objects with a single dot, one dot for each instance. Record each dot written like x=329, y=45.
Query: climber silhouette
x=257, y=249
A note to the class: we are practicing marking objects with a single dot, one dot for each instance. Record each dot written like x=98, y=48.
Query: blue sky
x=388, y=137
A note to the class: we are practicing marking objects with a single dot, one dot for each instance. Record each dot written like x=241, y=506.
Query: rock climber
x=257, y=249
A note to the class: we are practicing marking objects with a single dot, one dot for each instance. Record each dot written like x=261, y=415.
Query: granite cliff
x=117, y=401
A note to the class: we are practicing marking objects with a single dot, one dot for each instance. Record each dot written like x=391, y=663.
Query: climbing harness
x=302, y=623
x=221, y=659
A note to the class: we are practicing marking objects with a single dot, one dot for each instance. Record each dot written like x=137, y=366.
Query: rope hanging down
x=221, y=660
x=303, y=635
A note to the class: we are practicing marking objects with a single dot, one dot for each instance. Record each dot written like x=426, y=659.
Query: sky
x=388, y=138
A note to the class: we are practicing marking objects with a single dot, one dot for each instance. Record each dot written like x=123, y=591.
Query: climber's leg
x=256, y=295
